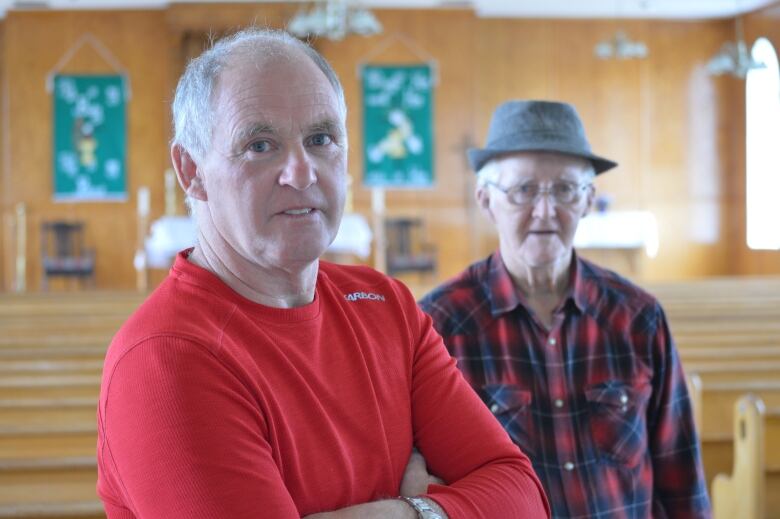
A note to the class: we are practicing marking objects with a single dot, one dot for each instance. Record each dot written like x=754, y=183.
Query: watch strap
x=423, y=509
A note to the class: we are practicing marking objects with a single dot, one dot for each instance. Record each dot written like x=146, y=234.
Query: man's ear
x=482, y=195
x=188, y=173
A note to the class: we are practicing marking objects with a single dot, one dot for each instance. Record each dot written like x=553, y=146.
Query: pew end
x=741, y=494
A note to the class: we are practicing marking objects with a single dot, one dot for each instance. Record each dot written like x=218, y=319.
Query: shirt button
x=551, y=341
x=568, y=466
x=494, y=408
x=558, y=403
x=624, y=398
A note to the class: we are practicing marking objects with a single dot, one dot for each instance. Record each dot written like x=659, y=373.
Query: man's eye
x=320, y=139
x=563, y=189
x=528, y=189
x=260, y=146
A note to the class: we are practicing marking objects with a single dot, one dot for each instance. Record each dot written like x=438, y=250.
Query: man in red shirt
x=259, y=382
x=576, y=362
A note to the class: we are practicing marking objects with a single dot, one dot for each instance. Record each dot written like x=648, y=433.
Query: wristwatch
x=423, y=509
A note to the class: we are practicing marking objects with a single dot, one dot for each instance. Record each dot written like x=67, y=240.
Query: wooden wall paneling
x=194, y=27
x=732, y=138
x=6, y=203
x=637, y=112
x=685, y=167
x=442, y=34
x=649, y=115
x=514, y=60
x=39, y=40
x=344, y=57
x=608, y=94
x=220, y=18
x=608, y=97
x=445, y=35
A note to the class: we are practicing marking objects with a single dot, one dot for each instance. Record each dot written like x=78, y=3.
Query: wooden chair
x=63, y=253
x=406, y=251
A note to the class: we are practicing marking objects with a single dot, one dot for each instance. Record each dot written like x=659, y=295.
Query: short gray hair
x=193, y=112
x=487, y=173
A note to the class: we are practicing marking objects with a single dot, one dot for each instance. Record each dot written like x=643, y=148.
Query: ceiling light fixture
x=733, y=57
x=334, y=19
x=620, y=46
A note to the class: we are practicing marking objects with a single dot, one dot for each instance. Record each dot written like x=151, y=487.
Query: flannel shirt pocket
x=618, y=425
x=511, y=405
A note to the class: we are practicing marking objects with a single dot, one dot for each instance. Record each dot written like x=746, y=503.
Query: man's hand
x=415, y=482
x=387, y=509
x=416, y=477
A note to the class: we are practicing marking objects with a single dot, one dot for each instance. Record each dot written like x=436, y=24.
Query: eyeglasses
x=564, y=193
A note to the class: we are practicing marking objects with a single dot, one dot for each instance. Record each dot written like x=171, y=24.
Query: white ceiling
x=675, y=9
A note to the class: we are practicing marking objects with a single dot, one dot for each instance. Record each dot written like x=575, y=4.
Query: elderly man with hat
x=577, y=363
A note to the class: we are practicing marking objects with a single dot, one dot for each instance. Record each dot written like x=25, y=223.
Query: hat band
x=528, y=140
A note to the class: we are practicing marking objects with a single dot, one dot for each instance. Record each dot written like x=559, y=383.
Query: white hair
x=488, y=173
x=193, y=110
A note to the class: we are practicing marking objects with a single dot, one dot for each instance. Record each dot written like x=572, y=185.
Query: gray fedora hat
x=536, y=126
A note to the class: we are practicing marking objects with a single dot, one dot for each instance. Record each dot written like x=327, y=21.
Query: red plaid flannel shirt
x=598, y=402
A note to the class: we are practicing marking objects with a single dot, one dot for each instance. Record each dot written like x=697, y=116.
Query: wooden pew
x=740, y=315
x=734, y=370
x=718, y=422
x=752, y=488
x=51, y=356
x=716, y=404
x=90, y=366
x=47, y=454
x=720, y=353
x=772, y=462
x=741, y=493
x=52, y=318
x=713, y=409
x=718, y=289
x=51, y=353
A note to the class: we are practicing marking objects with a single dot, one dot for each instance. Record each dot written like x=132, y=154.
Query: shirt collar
x=583, y=286
x=500, y=289
x=504, y=297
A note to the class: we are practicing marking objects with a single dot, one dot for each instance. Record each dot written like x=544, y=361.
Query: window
x=762, y=134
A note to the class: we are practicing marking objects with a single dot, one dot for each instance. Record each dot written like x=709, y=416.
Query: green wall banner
x=398, y=125
x=90, y=138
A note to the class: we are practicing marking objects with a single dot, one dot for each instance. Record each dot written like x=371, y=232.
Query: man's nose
x=544, y=204
x=298, y=171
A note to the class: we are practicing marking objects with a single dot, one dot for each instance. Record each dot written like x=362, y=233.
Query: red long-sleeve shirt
x=214, y=406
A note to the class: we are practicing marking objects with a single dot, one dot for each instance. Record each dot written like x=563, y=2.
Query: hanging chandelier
x=620, y=46
x=734, y=57
x=333, y=19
